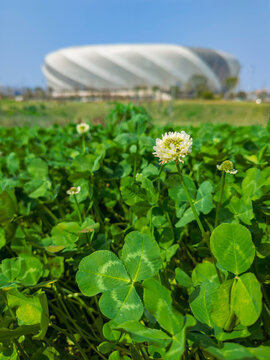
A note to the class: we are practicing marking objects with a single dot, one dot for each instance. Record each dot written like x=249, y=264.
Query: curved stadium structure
x=126, y=67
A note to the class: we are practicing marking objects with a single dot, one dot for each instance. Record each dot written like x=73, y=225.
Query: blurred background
x=185, y=60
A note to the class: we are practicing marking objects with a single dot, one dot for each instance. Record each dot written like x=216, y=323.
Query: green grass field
x=45, y=113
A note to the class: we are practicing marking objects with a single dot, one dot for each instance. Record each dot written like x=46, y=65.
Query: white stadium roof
x=115, y=67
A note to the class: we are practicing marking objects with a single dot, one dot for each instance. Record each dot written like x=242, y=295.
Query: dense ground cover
x=121, y=270
x=46, y=113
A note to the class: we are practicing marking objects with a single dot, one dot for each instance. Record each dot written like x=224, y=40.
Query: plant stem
x=78, y=209
x=159, y=173
x=21, y=349
x=48, y=211
x=135, y=161
x=83, y=143
x=221, y=196
x=72, y=338
x=191, y=202
x=188, y=252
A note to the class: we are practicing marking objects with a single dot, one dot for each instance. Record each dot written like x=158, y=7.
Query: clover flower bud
x=173, y=146
x=74, y=190
x=82, y=128
x=227, y=166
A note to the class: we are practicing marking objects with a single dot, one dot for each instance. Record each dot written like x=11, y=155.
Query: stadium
x=127, y=67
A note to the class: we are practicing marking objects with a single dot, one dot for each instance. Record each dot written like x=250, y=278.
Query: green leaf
x=141, y=333
x=115, y=355
x=152, y=291
x=28, y=308
x=232, y=351
x=8, y=351
x=101, y=271
x=231, y=335
x=261, y=352
x=31, y=271
x=182, y=278
x=205, y=271
x=201, y=302
x=167, y=318
x=202, y=204
x=105, y=347
x=150, y=170
x=65, y=235
x=109, y=332
x=56, y=266
x=151, y=193
x=246, y=299
x=157, y=300
x=121, y=304
x=10, y=268
x=242, y=209
x=13, y=163
x=131, y=192
x=233, y=248
x=37, y=168
x=176, y=190
x=89, y=162
x=45, y=317
x=221, y=308
x=253, y=184
x=7, y=334
x=8, y=206
x=207, y=344
x=2, y=238
x=141, y=256
x=204, y=201
x=177, y=347
x=38, y=188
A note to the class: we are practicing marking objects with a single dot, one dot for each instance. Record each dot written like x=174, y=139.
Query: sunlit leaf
x=101, y=271
x=121, y=304
x=141, y=256
x=246, y=299
x=232, y=246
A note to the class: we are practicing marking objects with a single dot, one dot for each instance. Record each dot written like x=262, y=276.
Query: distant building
x=131, y=67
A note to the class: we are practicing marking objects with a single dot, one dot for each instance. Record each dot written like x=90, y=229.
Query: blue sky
x=29, y=29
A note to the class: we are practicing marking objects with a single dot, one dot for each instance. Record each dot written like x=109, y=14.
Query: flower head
x=82, y=128
x=173, y=146
x=227, y=166
x=74, y=190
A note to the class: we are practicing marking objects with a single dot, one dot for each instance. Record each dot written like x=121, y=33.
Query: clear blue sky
x=29, y=29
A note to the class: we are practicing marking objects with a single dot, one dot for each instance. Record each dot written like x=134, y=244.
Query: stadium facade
x=127, y=67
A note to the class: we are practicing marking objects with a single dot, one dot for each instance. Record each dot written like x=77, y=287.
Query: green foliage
x=232, y=246
x=121, y=270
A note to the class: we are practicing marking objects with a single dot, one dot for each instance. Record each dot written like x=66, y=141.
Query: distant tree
x=39, y=93
x=155, y=89
x=230, y=83
x=262, y=94
x=241, y=95
x=49, y=92
x=197, y=85
x=207, y=95
x=28, y=94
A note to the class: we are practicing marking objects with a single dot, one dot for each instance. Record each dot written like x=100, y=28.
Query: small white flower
x=173, y=146
x=82, y=128
x=74, y=190
x=227, y=166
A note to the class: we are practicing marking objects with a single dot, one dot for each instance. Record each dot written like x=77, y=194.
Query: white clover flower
x=173, y=146
x=82, y=128
x=227, y=166
x=74, y=190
